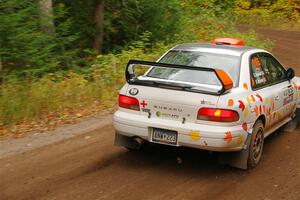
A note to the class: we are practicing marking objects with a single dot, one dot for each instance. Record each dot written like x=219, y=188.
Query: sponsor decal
x=287, y=100
x=203, y=102
x=260, y=80
x=289, y=92
x=166, y=115
x=146, y=110
x=166, y=108
x=158, y=114
x=258, y=74
x=133, y=91
x=245, y=86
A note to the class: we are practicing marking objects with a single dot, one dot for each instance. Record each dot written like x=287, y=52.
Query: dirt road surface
x=88, y=166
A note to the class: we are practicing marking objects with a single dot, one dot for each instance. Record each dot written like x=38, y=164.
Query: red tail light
x=217, y=115
x=129, y=102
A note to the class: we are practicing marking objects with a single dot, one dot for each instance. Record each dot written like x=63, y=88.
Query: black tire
x=256, y=145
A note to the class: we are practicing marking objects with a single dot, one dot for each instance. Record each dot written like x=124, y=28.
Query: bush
x=278, y=14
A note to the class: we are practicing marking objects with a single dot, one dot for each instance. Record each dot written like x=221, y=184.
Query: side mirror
x=290, y=74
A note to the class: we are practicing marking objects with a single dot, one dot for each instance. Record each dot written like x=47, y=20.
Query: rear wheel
x=256, y=144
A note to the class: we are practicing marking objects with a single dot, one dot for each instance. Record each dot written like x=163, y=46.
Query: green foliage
x=125, y=21
x=277, y=13
x=25, y=47
x=31, y=100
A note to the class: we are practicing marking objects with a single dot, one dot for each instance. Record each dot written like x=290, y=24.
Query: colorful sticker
x=248, y=100
x=230, y=102
x=256, y=62
x=267, y=100
x=194, y=135
x=245, y=126
x=246, y=112
x=241, y=105
x=256, y=111
x=240, y=139
x=259, y=97
x=228, y=136
x=253, y=98
x=144, y=104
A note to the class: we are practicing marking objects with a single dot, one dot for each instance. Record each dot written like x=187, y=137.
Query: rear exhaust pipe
x=137, y=143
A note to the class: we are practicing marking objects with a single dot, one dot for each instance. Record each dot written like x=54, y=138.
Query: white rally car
x=223, y=97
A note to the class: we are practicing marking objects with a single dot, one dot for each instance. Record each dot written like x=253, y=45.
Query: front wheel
x=256, y=144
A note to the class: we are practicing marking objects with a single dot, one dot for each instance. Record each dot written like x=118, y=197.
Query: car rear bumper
x=201, y=136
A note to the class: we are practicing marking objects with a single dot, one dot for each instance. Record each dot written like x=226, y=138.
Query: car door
x=278, y=89
x=268, y=86
x=277, y=76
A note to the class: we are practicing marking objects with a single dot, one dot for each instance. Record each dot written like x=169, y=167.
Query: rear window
x=227, y=63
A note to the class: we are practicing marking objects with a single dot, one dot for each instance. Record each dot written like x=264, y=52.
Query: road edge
x=13, y=146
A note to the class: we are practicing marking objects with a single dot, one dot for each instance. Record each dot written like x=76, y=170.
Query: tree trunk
x=98, y=19
x=46, y=16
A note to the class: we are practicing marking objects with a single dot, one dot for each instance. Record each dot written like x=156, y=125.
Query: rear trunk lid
x=163, y=103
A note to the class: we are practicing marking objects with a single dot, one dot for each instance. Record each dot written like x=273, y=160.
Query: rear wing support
x=223, y=77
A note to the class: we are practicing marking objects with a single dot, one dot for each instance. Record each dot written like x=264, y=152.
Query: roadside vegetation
x=282, y=14
x=63, y=60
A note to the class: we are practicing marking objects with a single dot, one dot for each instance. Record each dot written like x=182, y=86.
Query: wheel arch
x=263, y=119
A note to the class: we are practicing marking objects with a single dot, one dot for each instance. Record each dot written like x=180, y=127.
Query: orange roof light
x=228, y=41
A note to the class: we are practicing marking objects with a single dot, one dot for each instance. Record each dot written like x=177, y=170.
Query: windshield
x=227, y=63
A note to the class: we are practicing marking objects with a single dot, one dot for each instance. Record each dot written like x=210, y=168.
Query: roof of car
x=209, y=48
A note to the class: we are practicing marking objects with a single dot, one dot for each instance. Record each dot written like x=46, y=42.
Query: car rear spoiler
x=223, y=77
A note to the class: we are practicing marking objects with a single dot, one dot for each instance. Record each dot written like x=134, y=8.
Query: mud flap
x=237, y=159
x=127, y=142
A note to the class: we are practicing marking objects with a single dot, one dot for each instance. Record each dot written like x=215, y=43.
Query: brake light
x=129, y=102
x=217, y=115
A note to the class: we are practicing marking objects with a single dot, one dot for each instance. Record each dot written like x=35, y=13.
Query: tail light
x=217, y=115
x=129, y=102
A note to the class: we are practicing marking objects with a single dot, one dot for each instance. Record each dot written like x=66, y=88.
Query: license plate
x=164, y=136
